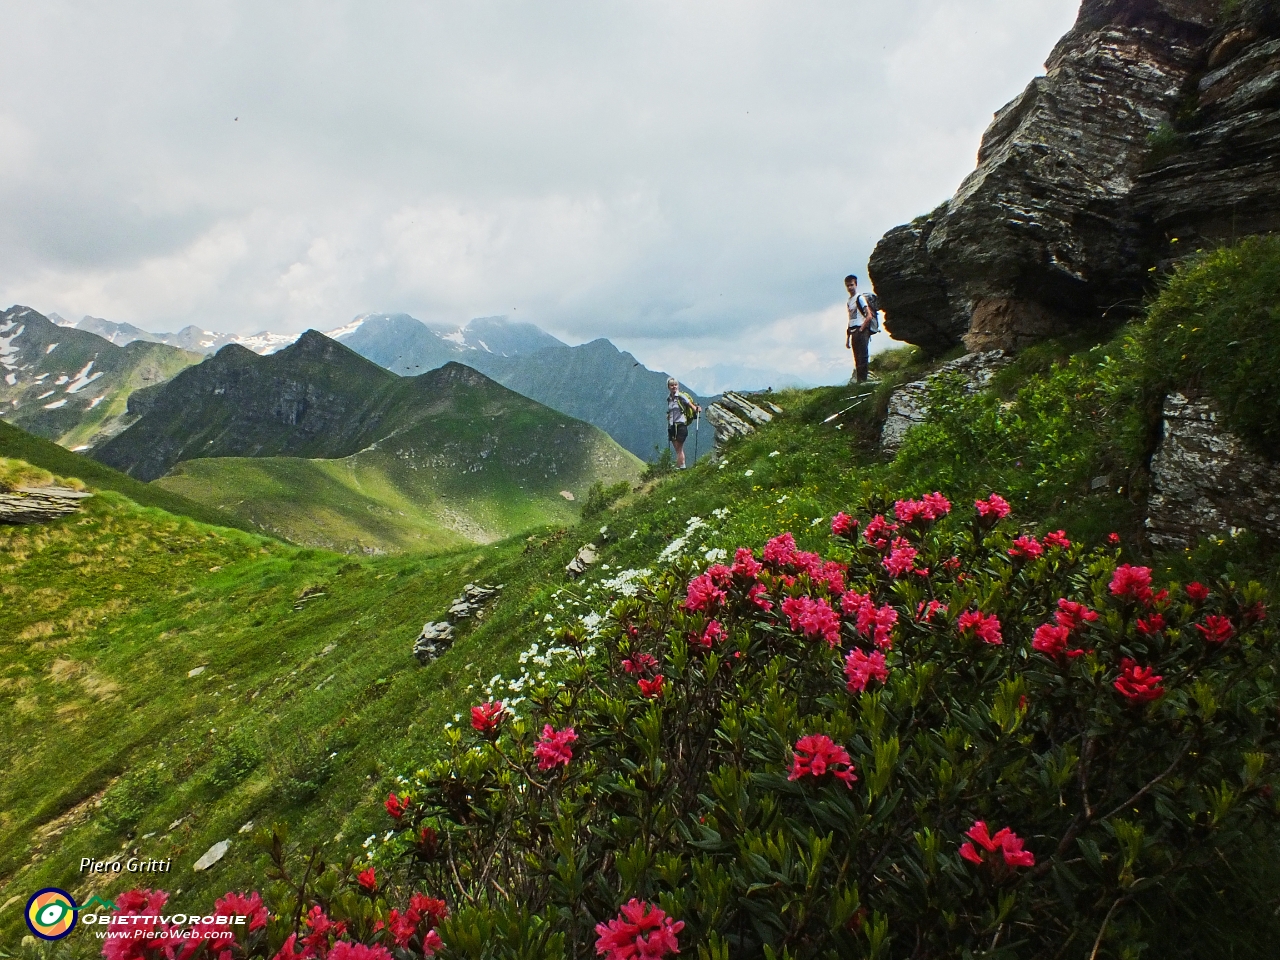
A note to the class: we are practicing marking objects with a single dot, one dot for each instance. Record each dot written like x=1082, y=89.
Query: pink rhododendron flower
x=1132, y=583
x=1255, y=612
x=1216, y=629
x=843, y=525
x=1074, y=615
x=322, y=928
x=878, y=531
x=403, y=926
x=757, y=597
x=1026, y=548
x=933, y=506
x=553, y=748
x=720, y=575
x=368, y=879
x=703, y=594
x=976, y=623
x=925, y=612
x=641, y=931
x=1197, y=593
x=1150, y=626
x=746, y=565
x=640, y=662
x=817, y=754
x=1051, y=640
x=288, y=950
x=901, y=558
x=651, y=688
x=242, y=905
x=1006, y=841
x=1113, y=539
x=951, y=564
x=860, y=667
x=487, y=717
x=1057, y=539
x=432, y=909
x=346, y=950
x=431, y=943
x=1138, y=684
x=992, y=509
x=814, y=618
x=781, y=550
x=714, y=632
x=829, y=575
x=396, y=806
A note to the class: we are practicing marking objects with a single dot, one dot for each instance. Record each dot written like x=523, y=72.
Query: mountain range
x=70, y=385
x=318, y=445
x=595, y=381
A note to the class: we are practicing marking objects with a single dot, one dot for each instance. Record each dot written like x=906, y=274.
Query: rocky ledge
x=39, y=504
x=1157, y=121
x=909, y=404
x=734, y=415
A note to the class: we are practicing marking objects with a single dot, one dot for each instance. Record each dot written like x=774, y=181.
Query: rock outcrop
x=1215, y=174
x=437, y=636
x=1153, y=121
x=1205, y=481
x=733, y=415
x=39, y=504
x=909, y=404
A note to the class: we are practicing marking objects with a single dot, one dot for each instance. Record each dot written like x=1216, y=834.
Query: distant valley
x=320, y=446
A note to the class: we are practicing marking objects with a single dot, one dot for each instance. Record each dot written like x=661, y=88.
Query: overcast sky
x=690, y=179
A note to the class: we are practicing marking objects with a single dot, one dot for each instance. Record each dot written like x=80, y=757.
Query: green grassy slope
x=20, y=445
x=73, y=386
x=472, y=465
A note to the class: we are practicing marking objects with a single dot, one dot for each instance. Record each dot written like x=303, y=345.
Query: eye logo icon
x=51, y=913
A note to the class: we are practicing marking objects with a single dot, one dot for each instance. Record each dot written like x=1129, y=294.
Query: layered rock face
x=1068, y=208
x=1215, y=174
x=1205, y=481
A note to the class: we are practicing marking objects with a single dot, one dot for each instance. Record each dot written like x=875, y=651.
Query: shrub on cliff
x=1216, y=326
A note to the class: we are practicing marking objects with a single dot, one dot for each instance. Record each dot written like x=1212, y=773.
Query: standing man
x=861, y=326
x=680, y=407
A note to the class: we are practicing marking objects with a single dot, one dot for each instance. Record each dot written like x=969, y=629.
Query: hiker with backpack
x=680, y=410
x=864, y=320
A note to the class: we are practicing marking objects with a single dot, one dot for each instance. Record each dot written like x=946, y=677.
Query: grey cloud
x=657, y=172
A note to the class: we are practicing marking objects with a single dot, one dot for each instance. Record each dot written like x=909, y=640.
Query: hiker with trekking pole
x=680, y=409
x=864, y=320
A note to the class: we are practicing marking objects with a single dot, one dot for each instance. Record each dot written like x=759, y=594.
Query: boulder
x=434, y=640
x=584, y=558
x=909, y=404
x=733, y=415
x=39, y=504
x=1206, y=481
x=1042, y=238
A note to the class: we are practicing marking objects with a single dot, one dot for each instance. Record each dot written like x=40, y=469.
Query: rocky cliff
x=1155, y=119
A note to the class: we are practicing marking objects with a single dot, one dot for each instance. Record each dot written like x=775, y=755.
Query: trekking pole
x=697, y=422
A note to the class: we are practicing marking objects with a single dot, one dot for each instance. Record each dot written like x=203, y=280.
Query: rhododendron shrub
x=800, y=755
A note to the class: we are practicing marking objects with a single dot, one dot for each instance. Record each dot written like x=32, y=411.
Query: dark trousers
x=861, y=340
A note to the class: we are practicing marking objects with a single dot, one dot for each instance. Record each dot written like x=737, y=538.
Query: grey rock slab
x=212, y=856
x=1205, y=481
x=909, y=404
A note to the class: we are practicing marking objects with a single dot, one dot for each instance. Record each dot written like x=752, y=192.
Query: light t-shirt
x=675, y=412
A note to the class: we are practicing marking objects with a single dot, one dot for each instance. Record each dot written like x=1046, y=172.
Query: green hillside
x=72, y=386
x=19, y=445
x=310, y=709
